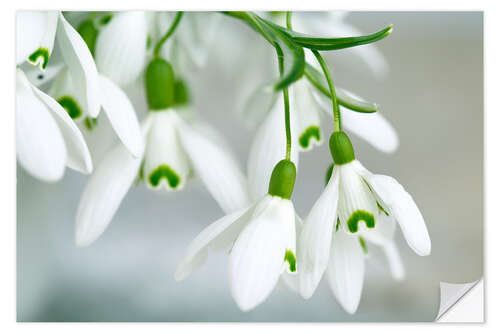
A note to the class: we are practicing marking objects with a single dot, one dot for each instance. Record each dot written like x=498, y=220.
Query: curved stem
x=287, y=106
x=169, y=33
x=336, y=111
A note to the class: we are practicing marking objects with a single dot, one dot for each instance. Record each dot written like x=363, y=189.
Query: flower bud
x=282, y=179
x=341, y=148
x=88, y=31
x=160, y=80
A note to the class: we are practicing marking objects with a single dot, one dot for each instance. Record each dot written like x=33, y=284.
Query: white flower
x=174, y=149
x=262, y=241
x=330, y=236
x=78, y=87
x=310, y=106
x=46, y=138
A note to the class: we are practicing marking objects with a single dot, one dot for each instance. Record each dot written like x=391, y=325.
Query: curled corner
x=452, y=294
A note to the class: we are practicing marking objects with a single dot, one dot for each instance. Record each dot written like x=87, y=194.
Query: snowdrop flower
x=111, y=98
x=174, y=150
x=46, y=138
x=122, y=45
x=330, y=238
x=73, y=50
x=307, y=110
x=262, y=240
x=78, y=87
x=310, y=107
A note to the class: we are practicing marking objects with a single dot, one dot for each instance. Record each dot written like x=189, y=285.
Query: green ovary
x=164, y=171
x=310, y=132
x=71, y=106
x=41, y=52
x=290, y=257
x=360, y=215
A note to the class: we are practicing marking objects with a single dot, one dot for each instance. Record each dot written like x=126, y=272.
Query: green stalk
x=336, y=111
x=289, y=20
x=169, y=33
x=287, y=106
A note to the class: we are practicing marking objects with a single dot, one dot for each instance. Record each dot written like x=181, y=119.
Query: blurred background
x=433, y=96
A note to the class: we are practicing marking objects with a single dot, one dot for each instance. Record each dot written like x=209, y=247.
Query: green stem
x=336, y=111
x=289, y=20
x=287, y=106
x=169, y=33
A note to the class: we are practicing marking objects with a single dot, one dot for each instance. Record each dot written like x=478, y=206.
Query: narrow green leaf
x=329, y=44
x=344, y=98
x=293, y=55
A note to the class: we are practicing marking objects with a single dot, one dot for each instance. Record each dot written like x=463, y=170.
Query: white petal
x=38, y=77
x=121, y=115
x=216, y=168
x=291, y=279
x=316, y=236
x=399, y=203
x=120, y=51
x=40, y=145
x=30, y=30
x=166, y=165
x=81, y=65
x=78, y=153
x=218, y=235
x=371, y=127
x=47, y=42
x=346, y=270
x=307, y=111
x=103, y=194
x=394, y=260
x=257, y=258
x=268, y=148
x=383, y=233
x=65, y=92
x=356, y=201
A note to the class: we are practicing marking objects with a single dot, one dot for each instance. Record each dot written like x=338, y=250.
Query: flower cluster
x=71, y=66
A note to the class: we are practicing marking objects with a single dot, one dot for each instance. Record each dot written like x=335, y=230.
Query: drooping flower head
x=175, y=149
x=355, y=205
x=261, y=238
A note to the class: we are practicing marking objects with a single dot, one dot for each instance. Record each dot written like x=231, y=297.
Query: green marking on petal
x=164, y=171
x=309, y=133
x=71, y=106
x=363, y=245
x=90, y=123
x=360, y=215
x=290, y=257
x=43, y=53
x=148, y=42
x=338, y=225
x=105, y=19
x=382, y=209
